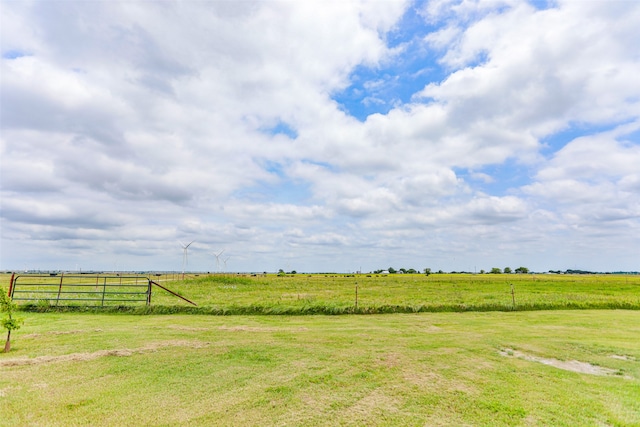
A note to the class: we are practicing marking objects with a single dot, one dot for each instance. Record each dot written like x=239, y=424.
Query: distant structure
x=218, y=260
x=185, y=255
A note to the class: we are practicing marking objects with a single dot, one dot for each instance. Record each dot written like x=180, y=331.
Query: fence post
x=104, y=289
x=59, y=289
x=356, y=295
x=513, y=296
x=11, y=286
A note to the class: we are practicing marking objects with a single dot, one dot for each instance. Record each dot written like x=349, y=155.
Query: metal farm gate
x=83, y=289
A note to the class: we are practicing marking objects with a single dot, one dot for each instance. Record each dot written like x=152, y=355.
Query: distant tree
x=579, y=272
x=496, y=270
x=293, y=272
x=507, y=270
x=427, y=271
x=392, y=270
x=9, y=322
x=482, y=271
x=522, y=270
x=440, y=272
x=411, y=271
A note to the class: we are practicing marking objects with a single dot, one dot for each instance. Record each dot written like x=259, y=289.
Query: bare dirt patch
x=82, y=357
x=567, y=365
x=623, y=357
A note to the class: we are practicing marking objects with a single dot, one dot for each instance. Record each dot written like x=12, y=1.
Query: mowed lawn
x=494, y=368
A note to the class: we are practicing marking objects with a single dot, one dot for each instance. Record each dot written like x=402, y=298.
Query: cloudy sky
x=320, y=135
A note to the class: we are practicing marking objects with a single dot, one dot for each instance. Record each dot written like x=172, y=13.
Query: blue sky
x=381, y=87
x=315, y=136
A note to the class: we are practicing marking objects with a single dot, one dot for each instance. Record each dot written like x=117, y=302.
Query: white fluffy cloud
x=127, y=126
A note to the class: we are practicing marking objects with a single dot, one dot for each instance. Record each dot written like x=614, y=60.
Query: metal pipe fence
x=78, y=289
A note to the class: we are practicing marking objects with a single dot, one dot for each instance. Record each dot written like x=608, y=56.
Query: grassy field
x=336, y=294
x=486, y=364
x=404, y=369
x=413, y=292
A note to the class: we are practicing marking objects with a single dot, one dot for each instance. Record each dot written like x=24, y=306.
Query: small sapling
x=9, y=322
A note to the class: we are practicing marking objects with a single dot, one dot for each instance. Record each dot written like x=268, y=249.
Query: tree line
x=428, y=271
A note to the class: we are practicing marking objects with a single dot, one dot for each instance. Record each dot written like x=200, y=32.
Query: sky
x=320, y=136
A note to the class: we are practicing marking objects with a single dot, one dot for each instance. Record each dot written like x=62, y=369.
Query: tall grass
x=336, y=294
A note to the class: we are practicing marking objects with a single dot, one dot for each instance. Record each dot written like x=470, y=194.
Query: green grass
x=401, y=369
x=86, y=366
x=331, y=294
x=336, y=294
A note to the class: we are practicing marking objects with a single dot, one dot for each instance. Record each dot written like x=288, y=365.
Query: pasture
x=505, y=367
x=372, y=294
x=336, y=294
